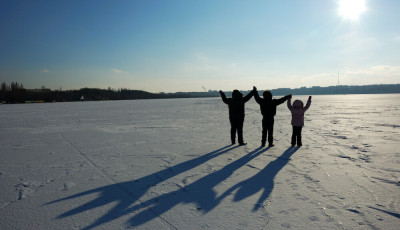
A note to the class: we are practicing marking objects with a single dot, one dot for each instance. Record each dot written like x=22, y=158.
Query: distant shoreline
x=340, y=89
x=21, y=95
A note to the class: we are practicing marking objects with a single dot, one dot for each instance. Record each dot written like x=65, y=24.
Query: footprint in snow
x=68, y=185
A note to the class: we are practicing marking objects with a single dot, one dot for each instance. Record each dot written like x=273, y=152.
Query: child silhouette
x=268, y=110
x=236, y=113
x=297, y=111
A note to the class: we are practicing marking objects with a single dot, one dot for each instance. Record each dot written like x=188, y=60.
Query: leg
x=299, y=143
x=240, y=131
x=294, y=136
x=233, y=132
x=264, y=132
x=271, y=133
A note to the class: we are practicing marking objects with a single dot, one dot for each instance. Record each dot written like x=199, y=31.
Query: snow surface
x=168, y=164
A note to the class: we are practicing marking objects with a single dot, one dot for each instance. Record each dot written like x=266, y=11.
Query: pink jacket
x=298, y=111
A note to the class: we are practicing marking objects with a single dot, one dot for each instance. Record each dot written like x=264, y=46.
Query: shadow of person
x=263, y=180
x=125, y=194
x=397, y=215
x=200, y=192
x=396, y=183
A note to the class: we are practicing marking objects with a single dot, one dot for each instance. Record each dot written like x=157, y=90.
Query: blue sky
x=172, y=45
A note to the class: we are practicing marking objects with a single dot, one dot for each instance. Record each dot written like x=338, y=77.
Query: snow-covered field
x=168, y=164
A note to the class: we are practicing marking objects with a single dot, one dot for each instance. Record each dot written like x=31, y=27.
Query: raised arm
x=289, y=104
x=256, y=96
x=223, y=96
x=308, y=103
x=248, y=96
x=283, y=99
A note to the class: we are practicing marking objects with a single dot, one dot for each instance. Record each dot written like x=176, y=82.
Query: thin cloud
x=378, y=71
x=354, y=42
x=378, y=74
x=117, y=70
x=199, y=63
x=45, y=71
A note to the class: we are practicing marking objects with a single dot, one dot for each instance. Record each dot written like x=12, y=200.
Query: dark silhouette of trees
x=339, y=89
x=16, y=93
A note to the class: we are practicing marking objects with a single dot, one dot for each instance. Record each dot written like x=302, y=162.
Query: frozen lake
x=168, y=164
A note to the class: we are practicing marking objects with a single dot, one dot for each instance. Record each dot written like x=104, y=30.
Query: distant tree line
x=16, y=93
x=340, y=89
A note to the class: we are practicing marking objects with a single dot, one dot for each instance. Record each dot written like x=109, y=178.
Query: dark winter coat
x=268, y=105
x=236, y=104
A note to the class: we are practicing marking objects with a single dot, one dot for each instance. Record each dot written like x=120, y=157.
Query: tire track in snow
x=161, y=219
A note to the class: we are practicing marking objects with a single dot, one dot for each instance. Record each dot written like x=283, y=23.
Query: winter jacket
x=268, y=105
x=236, y=104
x=298, y=111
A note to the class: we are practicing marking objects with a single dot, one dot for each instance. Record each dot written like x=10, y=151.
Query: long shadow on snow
x=388, y=181
x=263, y=180
x=133, y=190
x=199, y=192
x=397, y=215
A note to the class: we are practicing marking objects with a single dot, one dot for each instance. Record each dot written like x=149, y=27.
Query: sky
x=188, y=45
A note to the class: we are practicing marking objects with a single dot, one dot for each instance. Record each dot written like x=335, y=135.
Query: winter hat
x=267, y=95
x=237, y=94
x=298, y=104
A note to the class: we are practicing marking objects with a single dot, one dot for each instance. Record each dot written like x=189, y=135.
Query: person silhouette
x=297, y=111
x=236, y=113
x=268, y=111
